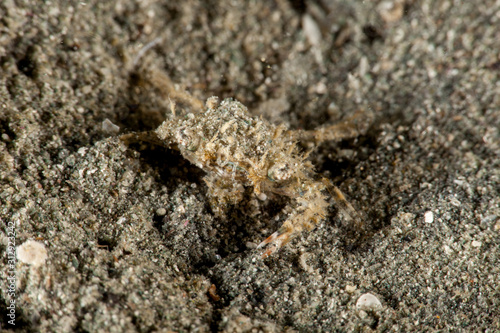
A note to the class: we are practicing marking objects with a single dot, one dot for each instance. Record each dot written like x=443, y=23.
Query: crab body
x=238, y=151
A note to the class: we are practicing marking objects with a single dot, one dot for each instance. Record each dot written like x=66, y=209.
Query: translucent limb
x=348, y=128
x=147, y=136
x=161, y=81
x=348, y=212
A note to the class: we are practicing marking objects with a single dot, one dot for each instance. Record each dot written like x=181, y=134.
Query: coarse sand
x=132, y=244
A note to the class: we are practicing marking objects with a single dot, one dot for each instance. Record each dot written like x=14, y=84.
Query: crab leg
x=349, y=128
x=278, y=239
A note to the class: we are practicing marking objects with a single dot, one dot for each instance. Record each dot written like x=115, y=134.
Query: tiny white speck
x=350, y=289
x=262, y=196
x=429, y=217
x=455, y=202
x=476, y=244
x=82, y=151
x=321, y=88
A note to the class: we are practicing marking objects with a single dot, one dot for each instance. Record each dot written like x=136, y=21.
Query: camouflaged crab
x=238, y=150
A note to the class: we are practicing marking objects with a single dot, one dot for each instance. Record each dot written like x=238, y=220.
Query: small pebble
x=161, y=211
x=109, y=127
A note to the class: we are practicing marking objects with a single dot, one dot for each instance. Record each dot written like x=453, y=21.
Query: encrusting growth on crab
x=238, y=150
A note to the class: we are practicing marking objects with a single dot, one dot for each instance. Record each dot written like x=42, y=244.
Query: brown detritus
x=212, y=293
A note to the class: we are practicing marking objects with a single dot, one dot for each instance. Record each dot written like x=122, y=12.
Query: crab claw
x=277, y=239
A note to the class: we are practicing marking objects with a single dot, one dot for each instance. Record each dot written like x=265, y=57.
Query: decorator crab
x=238, y=150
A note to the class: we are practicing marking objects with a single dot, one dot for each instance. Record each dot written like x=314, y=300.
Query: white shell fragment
x=32, y=253
x=368, y=302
